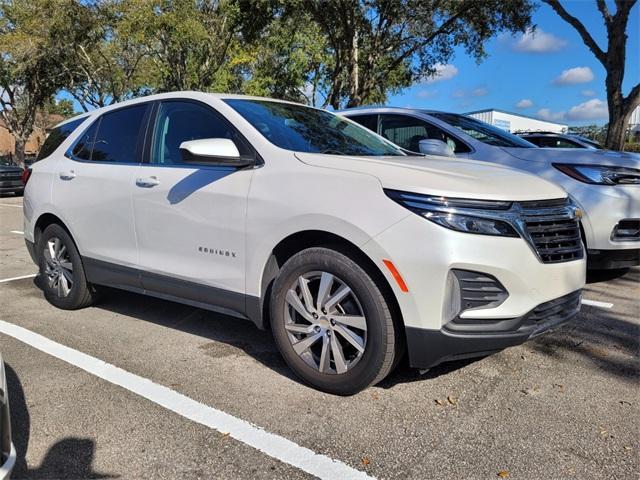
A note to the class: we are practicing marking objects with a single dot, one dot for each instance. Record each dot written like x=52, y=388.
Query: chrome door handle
x=147, y=182
x=70, y=175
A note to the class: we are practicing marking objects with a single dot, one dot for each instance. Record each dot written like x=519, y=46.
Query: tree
x=613, y=61
x=382, y=46
x=34, y=41
x=286, y=60
x=111, y=64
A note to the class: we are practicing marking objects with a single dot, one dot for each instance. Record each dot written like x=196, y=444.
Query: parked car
x=7, y=451
x=10, y=177
x=296, y=218
x=604, y=184
x=559, y=140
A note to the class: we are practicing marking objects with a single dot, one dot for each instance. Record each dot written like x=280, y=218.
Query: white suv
x=296, y=218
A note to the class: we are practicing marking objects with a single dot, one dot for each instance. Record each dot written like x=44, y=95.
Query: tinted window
x=81, y=150
x=482, y=131
x=118, y=133
x=367, y=121
x=179, y=122
x=305, y=129
x=57, y=136
x=407, y=132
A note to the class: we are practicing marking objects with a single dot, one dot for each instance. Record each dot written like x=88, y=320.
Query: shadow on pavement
x=69, y=458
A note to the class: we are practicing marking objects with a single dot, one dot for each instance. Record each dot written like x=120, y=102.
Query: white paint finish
x=193, y=208
x=5, y=280
x=211, y=147
x=594, y=303
x=270, y=444
x=7, y=467
x=97, y=208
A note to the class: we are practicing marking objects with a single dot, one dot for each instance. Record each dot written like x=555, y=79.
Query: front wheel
x=331, y=322
x=63, y=279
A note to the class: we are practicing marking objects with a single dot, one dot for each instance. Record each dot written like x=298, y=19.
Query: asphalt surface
x=565, y=405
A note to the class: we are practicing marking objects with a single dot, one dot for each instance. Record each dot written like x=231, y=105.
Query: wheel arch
x=301, y=240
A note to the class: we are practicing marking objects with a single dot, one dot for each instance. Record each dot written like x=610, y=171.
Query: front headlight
x=601, y=174
x=481, y=217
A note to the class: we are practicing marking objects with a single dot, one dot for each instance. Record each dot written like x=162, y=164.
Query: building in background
x=41, y=128
x=515, y=122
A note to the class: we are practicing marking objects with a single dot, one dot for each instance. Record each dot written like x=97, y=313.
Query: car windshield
x=482, y=131
x=304, y=129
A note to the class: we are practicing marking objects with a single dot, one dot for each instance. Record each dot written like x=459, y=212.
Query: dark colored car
x=10, y=177
x=7, y=452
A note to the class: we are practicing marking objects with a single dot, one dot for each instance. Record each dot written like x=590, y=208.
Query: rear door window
x=115, y=137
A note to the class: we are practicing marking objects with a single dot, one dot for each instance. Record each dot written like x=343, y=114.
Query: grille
x=554, y=312
x=553, y=229
x=11, y=176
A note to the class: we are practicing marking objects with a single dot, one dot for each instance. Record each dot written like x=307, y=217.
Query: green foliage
x=632, y=147
x=34, y=39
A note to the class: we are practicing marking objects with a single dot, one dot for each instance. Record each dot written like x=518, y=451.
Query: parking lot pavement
x=562, y=406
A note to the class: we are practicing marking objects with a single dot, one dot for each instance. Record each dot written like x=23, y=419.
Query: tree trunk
x=354, y=97
x=617, y=130
x=20, y=145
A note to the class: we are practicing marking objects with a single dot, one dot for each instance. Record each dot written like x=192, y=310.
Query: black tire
x=81, y=293
x=376, y=361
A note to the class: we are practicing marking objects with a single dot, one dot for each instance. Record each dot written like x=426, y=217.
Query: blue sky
x=525, y=74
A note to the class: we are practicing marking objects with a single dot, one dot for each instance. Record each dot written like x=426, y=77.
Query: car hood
x=576, y=156
x=443, y=176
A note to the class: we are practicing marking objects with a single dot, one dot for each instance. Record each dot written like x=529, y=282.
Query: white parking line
x=17, y=232
x=4, y=280
x=594, y=303
x=10, y=205
x=272, y=445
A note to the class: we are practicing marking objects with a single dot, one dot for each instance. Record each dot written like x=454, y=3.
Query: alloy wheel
x=325, y=322
x=58, y=267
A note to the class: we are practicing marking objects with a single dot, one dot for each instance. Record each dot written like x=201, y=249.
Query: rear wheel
x=63, y=278
x=331, y=322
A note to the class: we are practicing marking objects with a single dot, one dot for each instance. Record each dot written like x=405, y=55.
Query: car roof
x=374, y=108
x=192, y=94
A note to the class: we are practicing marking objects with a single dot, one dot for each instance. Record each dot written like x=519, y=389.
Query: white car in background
x=296, y=218
x=604, y=184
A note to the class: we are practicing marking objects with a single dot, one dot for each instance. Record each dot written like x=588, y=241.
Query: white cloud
x=574, y=75
x=547, y=114
x=593, y=109
x=480, y=92
x=443, y=72
x=588, y=93
x=524, y=103
x=426, y=93
x=457, y=94
x=538, y=41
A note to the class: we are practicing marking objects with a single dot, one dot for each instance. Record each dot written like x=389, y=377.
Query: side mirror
x=213, y=151
x=435, y=147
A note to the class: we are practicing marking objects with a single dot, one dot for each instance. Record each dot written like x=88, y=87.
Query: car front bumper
x=603, y=208
x=426, y=255
x=428, y=348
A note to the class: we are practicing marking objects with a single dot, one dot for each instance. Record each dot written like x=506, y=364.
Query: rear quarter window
x=56, y=137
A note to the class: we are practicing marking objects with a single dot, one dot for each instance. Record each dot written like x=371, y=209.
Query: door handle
x=147, y=182
x=70, y=175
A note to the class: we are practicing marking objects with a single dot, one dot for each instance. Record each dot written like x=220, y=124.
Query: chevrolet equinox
x=292, y=217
